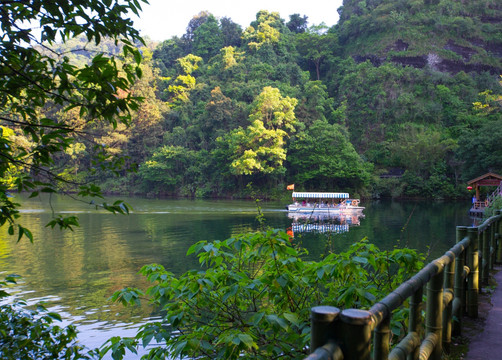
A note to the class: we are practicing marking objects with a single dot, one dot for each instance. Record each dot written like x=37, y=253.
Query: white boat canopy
x=320, y=195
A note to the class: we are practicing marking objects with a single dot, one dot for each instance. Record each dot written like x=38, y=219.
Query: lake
x=75, y=272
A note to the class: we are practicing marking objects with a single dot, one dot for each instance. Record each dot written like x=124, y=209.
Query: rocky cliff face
x=436, y=62
x=452, y=36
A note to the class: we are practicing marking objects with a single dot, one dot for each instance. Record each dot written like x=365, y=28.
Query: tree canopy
x=205, y=97
x=38, y=83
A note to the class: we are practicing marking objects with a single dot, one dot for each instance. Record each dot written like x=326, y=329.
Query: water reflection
x=322, y=222
x=75, y=272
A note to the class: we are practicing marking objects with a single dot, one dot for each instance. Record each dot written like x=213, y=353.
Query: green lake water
x=75, y=272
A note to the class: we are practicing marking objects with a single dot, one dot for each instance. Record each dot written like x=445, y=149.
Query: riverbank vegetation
x=395, y=100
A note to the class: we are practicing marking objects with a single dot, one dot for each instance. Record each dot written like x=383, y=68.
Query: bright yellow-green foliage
x=11, y=171
x=231, y=56
x=260, y=148
x=189, y=63
x=264, y=30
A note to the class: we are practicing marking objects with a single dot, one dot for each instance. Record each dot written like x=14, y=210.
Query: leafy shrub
x=252, y=299
x=31, y=334
x=495, y=205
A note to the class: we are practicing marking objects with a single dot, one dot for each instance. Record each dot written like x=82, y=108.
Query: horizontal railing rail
x=451, y=283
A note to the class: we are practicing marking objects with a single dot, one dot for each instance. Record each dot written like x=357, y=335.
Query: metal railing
x=497, y=193
x=452, y=286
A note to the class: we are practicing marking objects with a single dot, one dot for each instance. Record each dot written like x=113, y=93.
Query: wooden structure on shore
x=488, y=179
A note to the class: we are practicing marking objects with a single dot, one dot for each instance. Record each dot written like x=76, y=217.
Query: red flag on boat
x=290, y=187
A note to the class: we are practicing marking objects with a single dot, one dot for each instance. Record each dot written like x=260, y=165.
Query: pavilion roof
x=488, y=179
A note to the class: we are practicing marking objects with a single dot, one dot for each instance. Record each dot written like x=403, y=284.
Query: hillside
x=449, y=36
x=399, y=99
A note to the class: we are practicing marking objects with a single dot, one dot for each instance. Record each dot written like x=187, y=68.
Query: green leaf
x=278, y=321
x=282, y=280
x=195, y=248
x=33, y=194
x=55, y=316
x=256, y=318
x=247, y=340
x=360, y=260
x=292, y=318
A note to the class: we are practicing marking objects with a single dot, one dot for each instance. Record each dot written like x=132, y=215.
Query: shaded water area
x=75, y=272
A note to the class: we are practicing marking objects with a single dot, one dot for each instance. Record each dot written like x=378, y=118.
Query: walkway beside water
x=488, y=343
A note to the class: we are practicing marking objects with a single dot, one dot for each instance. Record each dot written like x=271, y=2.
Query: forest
x=399, y=99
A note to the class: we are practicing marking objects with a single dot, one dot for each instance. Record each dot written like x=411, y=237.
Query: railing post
x=415, y=321
x=485, y=261
x=381, y=340
x=449, y=276
x=473, y=278
x=434, y=311
x=459, y=300
x=499, y=237
x=355, y=332
x=323, y=327
x=493, y=244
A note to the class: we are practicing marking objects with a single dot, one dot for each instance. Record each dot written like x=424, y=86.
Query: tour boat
x=324, y=202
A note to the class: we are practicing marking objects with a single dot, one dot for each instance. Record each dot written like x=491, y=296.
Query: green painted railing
x=451, y=284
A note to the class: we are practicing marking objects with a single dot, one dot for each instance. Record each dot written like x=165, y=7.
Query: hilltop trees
x=201, y=90
x=373, y=100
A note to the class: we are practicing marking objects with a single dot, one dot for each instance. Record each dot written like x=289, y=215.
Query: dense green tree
x=316, y=45
x=480, y=149
x=231, y=32
x=220, y=111
x=167, y=169
x=315, y=104
x=419, y=149
x=145, y=133
x=427, y=156
x=297, y=23
x=194, y=23
x=322, y=158
x=208, y=39
x=167, y=52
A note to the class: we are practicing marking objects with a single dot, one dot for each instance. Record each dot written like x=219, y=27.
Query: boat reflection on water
x=322, y=222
